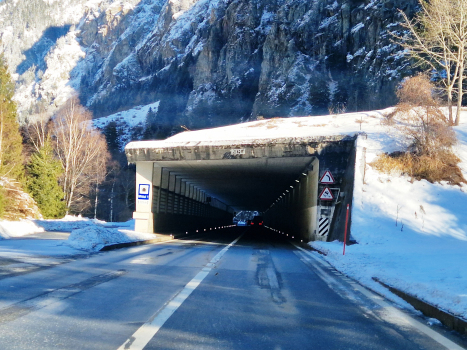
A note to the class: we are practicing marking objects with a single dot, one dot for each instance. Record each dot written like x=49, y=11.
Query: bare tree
x=101, y=168
x=81, y=150
x=438, y=39
x=423, y=121
x=37, y=131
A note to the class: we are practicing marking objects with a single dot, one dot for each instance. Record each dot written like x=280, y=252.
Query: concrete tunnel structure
x=196, y=180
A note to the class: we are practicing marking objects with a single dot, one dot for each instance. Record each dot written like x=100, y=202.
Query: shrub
x=421, y=120
x=443, y=166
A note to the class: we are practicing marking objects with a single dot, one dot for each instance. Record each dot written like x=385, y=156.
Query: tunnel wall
x=143, y=213
x=174, y=205
x=298, y=212
x=295, y=211
x=337, y=230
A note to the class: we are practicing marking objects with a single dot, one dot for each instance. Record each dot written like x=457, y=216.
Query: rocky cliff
x=208, y=62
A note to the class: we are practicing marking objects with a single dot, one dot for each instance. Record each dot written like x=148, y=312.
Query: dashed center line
x=148, y=330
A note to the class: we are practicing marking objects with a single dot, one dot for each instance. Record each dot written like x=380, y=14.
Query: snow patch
x=94, y=238
x=9, y=229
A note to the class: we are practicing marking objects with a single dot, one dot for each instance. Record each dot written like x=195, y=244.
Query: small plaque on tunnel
x=237, y=151
x=143, y=191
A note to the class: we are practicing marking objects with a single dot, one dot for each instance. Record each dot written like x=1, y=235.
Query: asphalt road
x=216, y=291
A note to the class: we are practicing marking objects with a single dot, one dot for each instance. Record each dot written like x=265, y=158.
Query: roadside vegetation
x=57, y=161
x=435, y=40
x=419, y=117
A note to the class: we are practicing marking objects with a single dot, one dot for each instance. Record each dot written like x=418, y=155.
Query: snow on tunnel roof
x=347, y=124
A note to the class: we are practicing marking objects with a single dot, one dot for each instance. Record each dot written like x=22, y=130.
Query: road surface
x=230, y=289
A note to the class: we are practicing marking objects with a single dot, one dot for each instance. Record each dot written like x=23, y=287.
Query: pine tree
x=11, y=159
x=319, y=96
x=112, y=136
x=43, y=170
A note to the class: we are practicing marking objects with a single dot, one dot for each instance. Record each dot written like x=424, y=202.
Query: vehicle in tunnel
x=257, y=221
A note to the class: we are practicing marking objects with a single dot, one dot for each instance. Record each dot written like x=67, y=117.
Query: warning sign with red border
x=327, y=178
x=326, y=195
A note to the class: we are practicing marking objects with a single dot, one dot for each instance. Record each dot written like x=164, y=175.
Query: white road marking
x=389, y=313
x=148, y=330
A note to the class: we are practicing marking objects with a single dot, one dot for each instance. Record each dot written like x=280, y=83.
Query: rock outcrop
x=216, y=62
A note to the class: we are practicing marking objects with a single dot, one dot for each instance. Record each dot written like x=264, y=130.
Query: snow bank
x=411, y=235
x=70, y=223
x=20, y=228
x=94, y=238
x=11, y=229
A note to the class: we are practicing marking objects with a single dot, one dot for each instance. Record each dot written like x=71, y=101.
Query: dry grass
x=441, y=166
x=360, y=121
x=16, y=203
x=268, y=123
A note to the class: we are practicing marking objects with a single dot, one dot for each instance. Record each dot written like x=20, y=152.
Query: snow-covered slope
x=411, y=235
x=129, y=123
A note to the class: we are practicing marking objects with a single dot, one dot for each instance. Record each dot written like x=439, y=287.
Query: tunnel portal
x=190, y=183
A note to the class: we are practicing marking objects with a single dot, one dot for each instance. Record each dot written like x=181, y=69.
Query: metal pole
x=346, y=222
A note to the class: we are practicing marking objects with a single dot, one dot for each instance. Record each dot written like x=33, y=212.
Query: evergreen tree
x=150, y=127
x=11, y=160
x=319, y=96
x=42, y=184
x=112, y=136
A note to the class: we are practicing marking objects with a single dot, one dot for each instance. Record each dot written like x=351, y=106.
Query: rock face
x=213, y=62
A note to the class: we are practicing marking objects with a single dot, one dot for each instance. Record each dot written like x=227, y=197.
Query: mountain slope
x=209, y=62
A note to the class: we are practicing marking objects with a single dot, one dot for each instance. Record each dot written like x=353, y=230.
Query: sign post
x=346, y=222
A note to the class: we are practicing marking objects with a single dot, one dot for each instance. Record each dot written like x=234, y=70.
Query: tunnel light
x=301, y=240
x=304, y=174
x=291, y=186
x=196, y=230
x=287, y=235
x=297, y=181
x=287, y=191
x=293, y=237
x=186, y=232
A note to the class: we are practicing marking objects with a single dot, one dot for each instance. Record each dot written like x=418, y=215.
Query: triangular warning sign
x=327, y=178
x=326, y=195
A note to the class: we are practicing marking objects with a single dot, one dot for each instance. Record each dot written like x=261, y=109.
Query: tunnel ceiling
x=243, y=184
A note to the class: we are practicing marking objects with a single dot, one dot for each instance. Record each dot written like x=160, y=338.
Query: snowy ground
x=412, y=236
x=86, y=234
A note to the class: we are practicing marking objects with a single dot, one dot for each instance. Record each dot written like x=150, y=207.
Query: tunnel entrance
x=186, y=186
